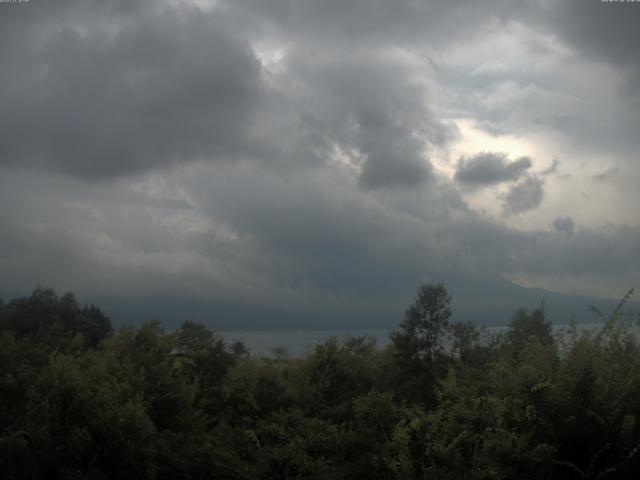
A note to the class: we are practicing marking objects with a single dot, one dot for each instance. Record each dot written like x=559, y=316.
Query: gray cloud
x=523, y=196
x=605, y=30
x=277, y=152
x=306, y=239
x=605, y=175
x=564, y=224
x=102, y=95
x=370, y=106
x=490, y=168
x=379, y=21
x=392, y=157
x=552, y=169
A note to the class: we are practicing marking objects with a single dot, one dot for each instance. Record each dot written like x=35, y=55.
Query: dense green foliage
x=444, y=401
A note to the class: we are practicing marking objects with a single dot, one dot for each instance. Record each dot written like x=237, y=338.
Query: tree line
x=81, y=400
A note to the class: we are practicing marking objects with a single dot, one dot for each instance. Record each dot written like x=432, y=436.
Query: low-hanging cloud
x=490, y=168
x=523, y=196
x=564, y=224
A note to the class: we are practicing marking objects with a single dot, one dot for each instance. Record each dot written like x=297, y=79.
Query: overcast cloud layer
x=319, y=156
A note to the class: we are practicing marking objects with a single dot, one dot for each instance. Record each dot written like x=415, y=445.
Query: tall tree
x=419, y=348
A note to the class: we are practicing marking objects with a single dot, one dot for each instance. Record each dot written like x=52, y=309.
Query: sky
x=318, y=156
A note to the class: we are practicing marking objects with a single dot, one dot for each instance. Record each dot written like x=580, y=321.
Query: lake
x=297, y=342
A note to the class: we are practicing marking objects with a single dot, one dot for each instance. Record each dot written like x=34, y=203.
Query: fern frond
x=597, y=311
x=622, y=302
x=571, y=466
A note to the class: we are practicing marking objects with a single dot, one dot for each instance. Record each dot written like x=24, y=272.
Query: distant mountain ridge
x=492, y=300
x=489, y=301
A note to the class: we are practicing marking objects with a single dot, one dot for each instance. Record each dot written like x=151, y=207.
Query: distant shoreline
x=297, y=342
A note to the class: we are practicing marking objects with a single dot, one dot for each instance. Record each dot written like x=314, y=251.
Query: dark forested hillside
x=79, y=400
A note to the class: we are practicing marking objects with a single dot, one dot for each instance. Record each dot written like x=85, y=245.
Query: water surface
x=298, y=342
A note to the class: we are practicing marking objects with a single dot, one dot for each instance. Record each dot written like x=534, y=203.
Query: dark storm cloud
x=525, y=195
x=490, y=168
x=392, y=157
x=339, y=203
x=370, y=106
x=605, y=30
x=380, y=20
x=607, y=33
x=320, y=230
x=317, y=231
x=100, y=90
x=604, y=252
x=307, y=238
x=98, y=94
x=588, y=251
